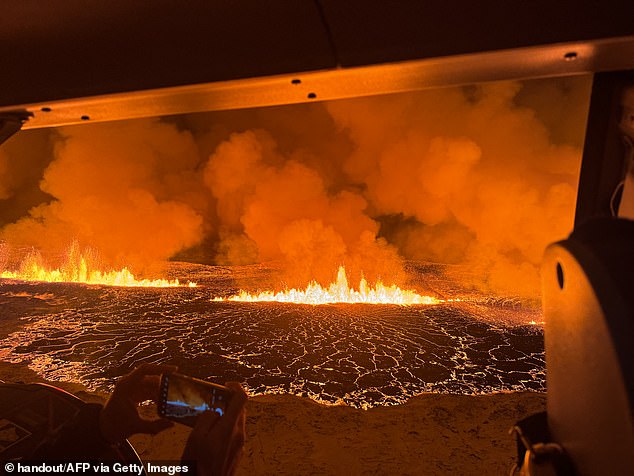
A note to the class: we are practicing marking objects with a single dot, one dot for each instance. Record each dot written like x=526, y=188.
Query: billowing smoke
x=471, y=176
x=284, y=209
x=483, y=176
x=126, y=190
x=22, y=160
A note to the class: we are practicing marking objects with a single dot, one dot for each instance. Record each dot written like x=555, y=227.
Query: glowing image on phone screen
x=187, y=399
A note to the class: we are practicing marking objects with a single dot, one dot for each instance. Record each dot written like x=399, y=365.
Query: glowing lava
x=339, y=292
x=77, y=270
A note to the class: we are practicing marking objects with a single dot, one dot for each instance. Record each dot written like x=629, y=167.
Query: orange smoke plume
x=483, y=176
x=124, y=189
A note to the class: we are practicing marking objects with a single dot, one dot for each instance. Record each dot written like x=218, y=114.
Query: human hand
x=216, y=442
x=120, y=417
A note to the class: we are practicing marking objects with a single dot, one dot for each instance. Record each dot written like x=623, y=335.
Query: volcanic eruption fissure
x=339, y=292
x=482, y=176
x=83, y=268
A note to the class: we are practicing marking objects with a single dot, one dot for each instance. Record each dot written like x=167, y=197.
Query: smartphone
x=183, y=398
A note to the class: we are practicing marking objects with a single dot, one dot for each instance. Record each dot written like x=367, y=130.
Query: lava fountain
x=339, y=292
x=77, y=269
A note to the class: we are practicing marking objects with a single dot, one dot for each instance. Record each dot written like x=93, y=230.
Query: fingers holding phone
x=216, y=441
x=120, y=418
x=215, y=412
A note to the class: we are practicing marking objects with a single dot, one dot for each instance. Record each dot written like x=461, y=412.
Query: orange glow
x=339, y=292
x=77, y=270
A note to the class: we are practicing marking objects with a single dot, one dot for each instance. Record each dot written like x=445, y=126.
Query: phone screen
x=184, y=398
